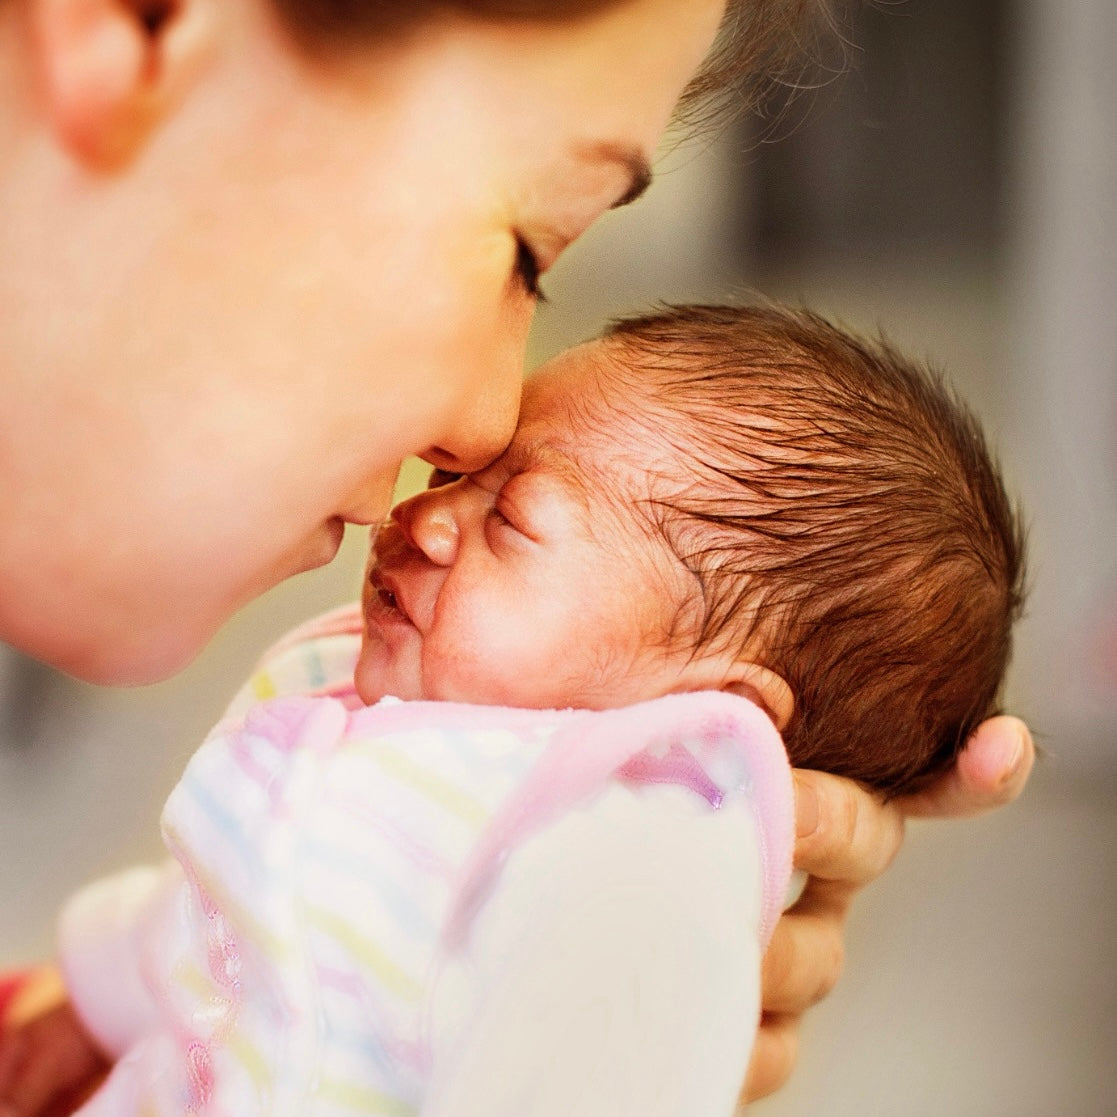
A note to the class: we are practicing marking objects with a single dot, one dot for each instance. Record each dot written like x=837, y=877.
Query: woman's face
x=221, y=351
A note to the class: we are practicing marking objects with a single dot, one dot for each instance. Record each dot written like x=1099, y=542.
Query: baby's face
x=538, y=581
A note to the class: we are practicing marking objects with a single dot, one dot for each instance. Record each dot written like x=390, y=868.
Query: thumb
x=990, y=771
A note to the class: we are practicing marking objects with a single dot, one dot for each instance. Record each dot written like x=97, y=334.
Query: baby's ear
x=764, y=687
x=113, y=69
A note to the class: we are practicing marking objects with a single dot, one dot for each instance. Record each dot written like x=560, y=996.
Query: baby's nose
x=428, y=521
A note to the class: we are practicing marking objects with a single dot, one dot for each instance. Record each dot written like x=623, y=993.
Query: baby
x=726, y=498
x=713, y=523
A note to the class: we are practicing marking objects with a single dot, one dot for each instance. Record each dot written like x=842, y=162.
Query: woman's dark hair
x=762, y=43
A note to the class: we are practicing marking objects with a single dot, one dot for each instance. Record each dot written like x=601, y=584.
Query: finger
x=773, y=1057
x=990, y=771
x=843, y=833
x=805, y=957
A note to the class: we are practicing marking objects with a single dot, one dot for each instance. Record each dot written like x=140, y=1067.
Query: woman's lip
x=323, y=548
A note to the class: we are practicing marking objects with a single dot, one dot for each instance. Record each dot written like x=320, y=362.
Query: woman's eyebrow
x=630, y=159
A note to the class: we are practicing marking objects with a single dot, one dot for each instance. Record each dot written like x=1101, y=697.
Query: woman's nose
x=370, y=502
x=483, y=427
x=430, y=525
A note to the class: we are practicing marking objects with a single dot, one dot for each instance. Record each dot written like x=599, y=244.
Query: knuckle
x=777, y=967
x=832, y=963
x=774, y=1057
x=850, y=821
x=803, y=964
x=899, y=832
x=870, y=831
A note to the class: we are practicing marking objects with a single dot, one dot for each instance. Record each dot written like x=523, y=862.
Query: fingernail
x=806, y=809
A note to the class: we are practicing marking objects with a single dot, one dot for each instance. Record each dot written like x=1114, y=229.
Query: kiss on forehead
x=535, y=581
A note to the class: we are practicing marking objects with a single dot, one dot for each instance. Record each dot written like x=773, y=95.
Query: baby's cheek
x=456, y=676
x=479, y=669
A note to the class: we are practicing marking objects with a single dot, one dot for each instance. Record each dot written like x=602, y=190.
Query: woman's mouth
x=319, y=550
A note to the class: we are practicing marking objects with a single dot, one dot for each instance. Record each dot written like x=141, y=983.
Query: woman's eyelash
x=528, y=269
x=439, y=477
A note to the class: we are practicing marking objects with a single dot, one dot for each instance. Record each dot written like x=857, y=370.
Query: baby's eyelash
x=528, y=269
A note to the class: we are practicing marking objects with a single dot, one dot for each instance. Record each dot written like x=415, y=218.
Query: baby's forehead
x=585, y=417
x=586, y=386
x=571, y=372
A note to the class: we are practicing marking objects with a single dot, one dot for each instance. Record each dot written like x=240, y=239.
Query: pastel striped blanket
x=443, y=909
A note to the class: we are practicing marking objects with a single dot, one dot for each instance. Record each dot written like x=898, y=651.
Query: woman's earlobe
x=764, y=687
x=112, y=70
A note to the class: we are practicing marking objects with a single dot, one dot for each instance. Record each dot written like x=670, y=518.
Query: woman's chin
x=152, y=658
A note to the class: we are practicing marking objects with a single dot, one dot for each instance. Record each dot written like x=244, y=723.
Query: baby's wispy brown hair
x=845, y=523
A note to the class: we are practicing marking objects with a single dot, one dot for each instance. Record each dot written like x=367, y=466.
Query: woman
x=254, y=252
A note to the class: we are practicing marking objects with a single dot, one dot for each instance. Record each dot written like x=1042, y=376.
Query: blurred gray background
x=958, y=187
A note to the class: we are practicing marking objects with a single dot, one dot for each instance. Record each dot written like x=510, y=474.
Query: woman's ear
x=112, y=70
x=764, y=687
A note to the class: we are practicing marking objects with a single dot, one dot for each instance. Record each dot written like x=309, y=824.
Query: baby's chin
x=377, y=676
x=370, y=683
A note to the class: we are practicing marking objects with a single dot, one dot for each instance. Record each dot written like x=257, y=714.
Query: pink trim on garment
x=677, y=739
x=629, y=743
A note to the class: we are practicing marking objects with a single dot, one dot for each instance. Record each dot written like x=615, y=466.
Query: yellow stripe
x=254, y=1063
x=236, y=914
x=246, y=923
x=404, y=769
x=363, y=1099
x=263, y=685
x=194, y=981
x=189, y=977
x=371, y=955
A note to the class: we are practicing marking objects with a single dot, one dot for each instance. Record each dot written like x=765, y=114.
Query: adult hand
x=48, y=1063
x=846, y=838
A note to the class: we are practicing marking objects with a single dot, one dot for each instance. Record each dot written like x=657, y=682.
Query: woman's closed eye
x=439, y=477
x=528, y=269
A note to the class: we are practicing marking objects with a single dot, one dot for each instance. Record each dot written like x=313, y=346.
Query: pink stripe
x=592, y=746
x=418, y=853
